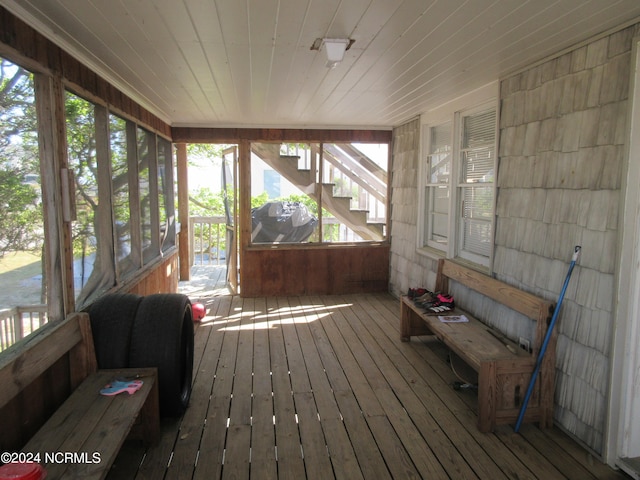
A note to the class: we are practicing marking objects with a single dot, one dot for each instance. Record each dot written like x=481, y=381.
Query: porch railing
x=208, y=240
x=18, y=322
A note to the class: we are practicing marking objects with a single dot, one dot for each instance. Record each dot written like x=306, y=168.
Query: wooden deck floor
x=322, y=387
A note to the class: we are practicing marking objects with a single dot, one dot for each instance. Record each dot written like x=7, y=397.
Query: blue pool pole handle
x=547, y=337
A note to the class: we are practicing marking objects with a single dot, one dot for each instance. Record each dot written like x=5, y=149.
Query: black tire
x=162, y=337
x=112, y=319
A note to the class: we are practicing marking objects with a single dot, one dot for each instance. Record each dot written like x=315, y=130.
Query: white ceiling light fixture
x=334, y=48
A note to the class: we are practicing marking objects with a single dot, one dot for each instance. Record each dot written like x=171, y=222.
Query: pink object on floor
x=198, y=311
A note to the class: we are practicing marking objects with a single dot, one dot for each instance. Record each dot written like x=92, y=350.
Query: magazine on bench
x=453, y=318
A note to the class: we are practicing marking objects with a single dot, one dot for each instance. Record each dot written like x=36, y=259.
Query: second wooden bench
x=83, y=436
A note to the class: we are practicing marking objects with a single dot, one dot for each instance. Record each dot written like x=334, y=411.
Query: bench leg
x=410, y=323
x=487, y=389
x=150, y=416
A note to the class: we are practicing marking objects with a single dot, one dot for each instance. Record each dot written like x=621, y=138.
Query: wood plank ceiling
x=249, y=62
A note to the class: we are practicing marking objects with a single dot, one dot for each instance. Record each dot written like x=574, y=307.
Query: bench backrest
x=30, y=359
x=527, y=304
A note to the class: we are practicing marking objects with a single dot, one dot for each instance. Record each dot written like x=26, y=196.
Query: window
x=124, y=197
x=458, y=177
x=91, y=254
x=127, y=257
x=116, y=192
x=147, y=178
x=477, y=157
x=354, y=191
x=23, y=299
x=289, y=213
x=437, y=187
x=318, y=192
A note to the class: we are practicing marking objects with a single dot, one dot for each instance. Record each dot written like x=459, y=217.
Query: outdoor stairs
x=340, y=207
x=305, y=180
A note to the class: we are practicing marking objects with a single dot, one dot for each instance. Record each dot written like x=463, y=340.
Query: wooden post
x=244, y=205
x=82, y=357
x=135, y=223
x=52, y=149
x=183, y=213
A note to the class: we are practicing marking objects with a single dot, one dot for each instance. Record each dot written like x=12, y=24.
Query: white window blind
x=476, y=187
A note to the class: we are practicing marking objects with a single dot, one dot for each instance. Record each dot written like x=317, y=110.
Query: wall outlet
x=524, y=344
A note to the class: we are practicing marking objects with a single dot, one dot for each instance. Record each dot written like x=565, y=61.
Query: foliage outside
x=21, y=221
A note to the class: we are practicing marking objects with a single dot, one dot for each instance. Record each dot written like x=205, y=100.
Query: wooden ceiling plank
x=249, y=61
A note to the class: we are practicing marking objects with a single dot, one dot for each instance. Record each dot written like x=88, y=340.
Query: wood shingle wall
x=562, y=151
x=562, y=154
x=408, y=268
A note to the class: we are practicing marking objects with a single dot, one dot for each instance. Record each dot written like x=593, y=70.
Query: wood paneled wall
x=304, y=269
x=315, y=271
x=160, y=278
x=26, y=413
x=235, y=135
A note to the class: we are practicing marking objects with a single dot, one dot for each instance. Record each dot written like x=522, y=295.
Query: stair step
x=328, y=189
x=378, y=227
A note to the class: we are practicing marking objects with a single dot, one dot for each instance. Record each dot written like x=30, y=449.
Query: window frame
x=454, y=113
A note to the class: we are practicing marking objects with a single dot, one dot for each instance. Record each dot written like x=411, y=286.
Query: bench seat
x=504, y=370
x=83, y=435
x=94, y=426
x=473, y=341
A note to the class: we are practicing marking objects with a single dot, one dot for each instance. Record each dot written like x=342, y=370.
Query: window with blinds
x=477, y=160
x=457, y=184
x=437, y=186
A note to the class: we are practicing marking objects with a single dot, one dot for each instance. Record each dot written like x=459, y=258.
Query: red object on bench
x=22, y=471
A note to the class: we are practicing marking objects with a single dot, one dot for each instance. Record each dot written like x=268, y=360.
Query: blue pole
x=547, y=337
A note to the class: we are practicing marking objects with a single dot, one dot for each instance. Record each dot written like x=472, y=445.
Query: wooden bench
x=504, y=369
x=83, y=436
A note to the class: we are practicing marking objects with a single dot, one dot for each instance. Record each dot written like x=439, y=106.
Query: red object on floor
x=22, y=471
x=198, y=311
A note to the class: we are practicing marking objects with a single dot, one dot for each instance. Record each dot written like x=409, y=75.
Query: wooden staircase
x=358, y=169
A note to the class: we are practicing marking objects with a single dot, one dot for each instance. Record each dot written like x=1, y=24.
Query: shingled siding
x=408, y=268
x=562, y=134
x=561, y=158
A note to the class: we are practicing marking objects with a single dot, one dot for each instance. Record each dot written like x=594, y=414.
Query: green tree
x=205, y=202
x=20, y=210
x=81, y=148
x=19, y=213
